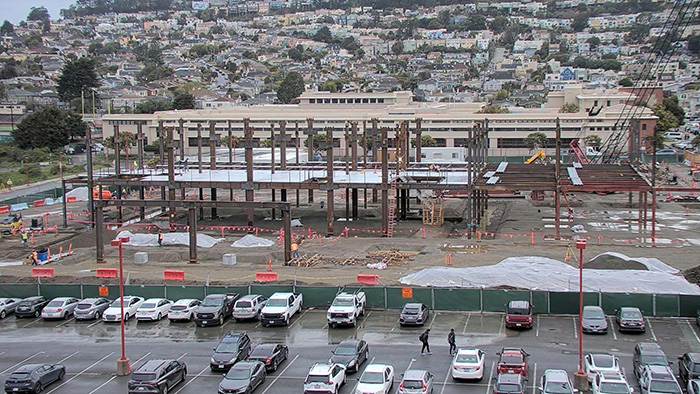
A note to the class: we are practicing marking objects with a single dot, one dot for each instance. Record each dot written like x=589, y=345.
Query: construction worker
x=25, y=238
x=35, y=257
x=160, y=237
x=295, y=250
x=9, y=184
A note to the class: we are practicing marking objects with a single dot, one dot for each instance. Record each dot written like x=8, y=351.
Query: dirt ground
x=509, y=228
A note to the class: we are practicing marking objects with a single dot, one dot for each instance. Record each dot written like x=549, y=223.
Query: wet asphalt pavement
x=89, y=350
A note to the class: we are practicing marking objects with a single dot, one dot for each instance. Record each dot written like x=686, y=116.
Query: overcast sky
x=17, y=10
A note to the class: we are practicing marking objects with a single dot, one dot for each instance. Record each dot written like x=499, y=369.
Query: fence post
x=600, y=298
x=549, y=303
x=82, y=296
x=165, y=291
x=386, y=303
x=432, y=297
x=481, y=299
x=653, y=303
x=248, y=288
x=38, y=287
x=678, y=304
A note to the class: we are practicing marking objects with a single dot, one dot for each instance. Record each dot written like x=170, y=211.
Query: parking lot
x=89, y=350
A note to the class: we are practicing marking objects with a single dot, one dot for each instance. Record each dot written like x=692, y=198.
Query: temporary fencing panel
x=689, y=305
x=395, y=299
x=458, y=299
x=242, y=290
x=666, y=305
x=179, y=292
x=540, y=301
x=268, y=290
x=375, y=295
x=16, y=290
x=145, y=291
x=613, y=301
x=496, y=300
x=567, y=302
x=317, y=296
x=51, y=291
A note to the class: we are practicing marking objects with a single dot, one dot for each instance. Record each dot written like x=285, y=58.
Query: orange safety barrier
x=173, y=275
x=39, y=272
x=71, y=199
x=266, y=276
x=38, y=203
x=106, y=272
x=5, y=209
x=368, y=279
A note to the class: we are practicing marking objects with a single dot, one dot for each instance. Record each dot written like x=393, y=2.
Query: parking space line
x=192, y=379
x=612, y=329
x=503, y=323
x=81, y=372
x=142, y=357
x=66, y=358
x=537, y=330
x=65, y=322
x=432, y=321
x=695, y=334
x=31, y=322
x=575, y=327
x=281, y=373
x=21, y=362
x=464, y=332
x=651, y=330
x=534, y=380
x=96, y=321
x=444, y=382
x=488, y=385
x=103, y=384
x=300, y=317
x=183, y=355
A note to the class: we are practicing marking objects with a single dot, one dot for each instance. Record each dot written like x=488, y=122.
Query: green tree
x=569, y=108
x=125, y=137
x=295, y=54
x=672, y=106
x=694, y=44
x=291, y=87
x=501, y=94
x=535, y=140
x=77, y=76
x=152, y=106
x=183, y=100
x=592, y=140
x=655, y=141
x=7, y=28
x=153, y=72
x=50, y=127
x=330, y=86
x=38, y=14
x=626, y=82
x=667, y=121
x=493, y=109
x=580, y=22
x=323, y=35
x=397, y=47
x=696, y=140
x=426, y=141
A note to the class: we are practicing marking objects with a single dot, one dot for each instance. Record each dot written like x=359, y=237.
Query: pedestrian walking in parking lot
x=160, y=237
x=424, y=339
x=451, y=341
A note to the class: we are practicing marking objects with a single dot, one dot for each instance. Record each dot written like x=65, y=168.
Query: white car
x=468, y=364
x=377, y=379
x=610, y=383
x=325, y=378
x=153, y=309
x=59, y=308
x=7, y=306
x=694, y=386
x=594, y=364
x=113, y=313
x=184, y=309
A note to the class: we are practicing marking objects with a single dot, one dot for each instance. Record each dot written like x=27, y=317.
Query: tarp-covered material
x=297, y=223
x=617, y=261
x=541, y=273
x=251, y=241
x=80, y=193
x=203, y=240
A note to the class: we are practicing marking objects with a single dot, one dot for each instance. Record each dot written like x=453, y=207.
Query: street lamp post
x=580, y=377
x=123, y=367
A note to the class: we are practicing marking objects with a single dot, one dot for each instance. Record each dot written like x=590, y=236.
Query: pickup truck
x=280, y=308
x=346, y=309
x=215, y=309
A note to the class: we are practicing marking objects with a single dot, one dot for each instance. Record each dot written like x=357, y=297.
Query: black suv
x=157, y=376
x=31, y=307
x=688, y=367
x=234, y=347
x=647, y=353
x=215, y=309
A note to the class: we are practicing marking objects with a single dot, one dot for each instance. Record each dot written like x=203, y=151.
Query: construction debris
x=382, y=257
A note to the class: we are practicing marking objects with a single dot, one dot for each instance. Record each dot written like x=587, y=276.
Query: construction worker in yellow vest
x=25, y=238
x=295, y=249
x=9, y=184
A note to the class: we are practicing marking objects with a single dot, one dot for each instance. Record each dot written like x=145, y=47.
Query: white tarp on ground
x=251, y=241
x=203, y=240
x=80, y=194
x=541, y=273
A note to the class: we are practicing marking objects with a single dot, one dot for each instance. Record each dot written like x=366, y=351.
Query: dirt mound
x=692, y=275
x=610, y=262
x=87, y=239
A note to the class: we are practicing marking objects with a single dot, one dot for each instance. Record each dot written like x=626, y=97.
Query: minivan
x=519, y=314
x=676, y=135
x=157, y=376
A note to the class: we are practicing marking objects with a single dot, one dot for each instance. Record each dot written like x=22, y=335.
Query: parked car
x=673, y=135
x=31, y=306
x=234, y=347
x=416, y=381
x=519, y=314
x=280, y=308
x=131, y=305
x=153, y=309
x=243, y=377
x=647, y=353
x=630, y=319
x=346, y=309
x=185, y=309
x=7, y=306
x=468, y=364
x=376, y=378
x=666, y=152
x=59, y=308
x=693, y=386
x=157, y=376
x=351, y=353
x=610, y=383
x=510, y=383
x=325, y=378
x=688, y=368
x=33, y=378
x=270, y=354
x=555, y=381
x=512, y=360
x=90, y=308
x=215, y=309
x=658, y=379
x=594, y=364
x=594, y=321
x=414, y=314
x=687, y=144
x=249, y=307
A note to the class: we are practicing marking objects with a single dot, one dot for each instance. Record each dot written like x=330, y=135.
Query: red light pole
x=580, y=377
x=123, y=367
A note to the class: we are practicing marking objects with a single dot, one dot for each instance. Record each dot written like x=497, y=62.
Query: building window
x=334, y=101
x=312, y=101
x=460, y=142
x=373, y=101
x=441, y=142
x=608, y=103
x=192, y=141
x=595, y=103
x=358, y=101
x=380, y=101
x=644, y=127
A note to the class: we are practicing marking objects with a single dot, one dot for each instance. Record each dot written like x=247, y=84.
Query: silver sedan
x=59, y=308
x=7, y=306
x=91, y=308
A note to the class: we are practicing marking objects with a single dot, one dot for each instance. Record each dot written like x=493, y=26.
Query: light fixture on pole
x=123, y=367
x=580, y=377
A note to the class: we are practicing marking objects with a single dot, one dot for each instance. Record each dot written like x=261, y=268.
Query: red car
x=519, y=314
x=512, y=360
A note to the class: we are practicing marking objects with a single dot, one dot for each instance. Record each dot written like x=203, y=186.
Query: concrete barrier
x=41, y=272
x=106, y=272
x=173, y=275
x=368, y=279
x=266, y=276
